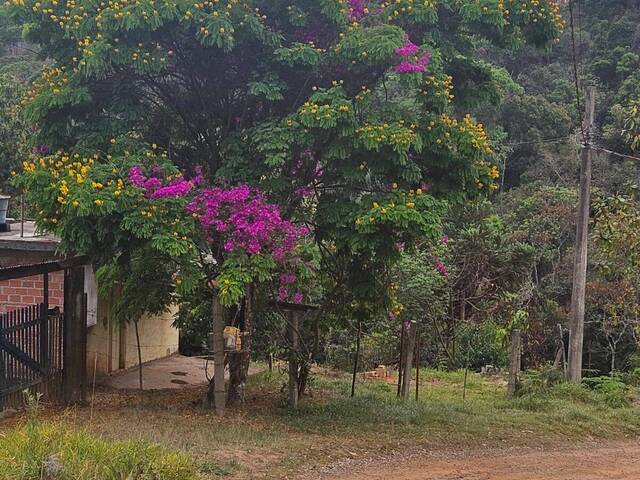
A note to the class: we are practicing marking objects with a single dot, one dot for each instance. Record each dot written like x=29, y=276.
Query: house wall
x=30, y=291
x=111, y=347
x=25, y=291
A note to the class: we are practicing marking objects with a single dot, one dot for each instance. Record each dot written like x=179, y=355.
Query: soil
x=619, y=461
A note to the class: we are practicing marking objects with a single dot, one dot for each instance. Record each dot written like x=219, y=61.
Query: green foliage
x=480, y=342
x=310, y=103
x=14, y=131
x=611, y=389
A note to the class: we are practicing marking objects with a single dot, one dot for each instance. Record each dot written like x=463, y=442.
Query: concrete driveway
x=176, y=371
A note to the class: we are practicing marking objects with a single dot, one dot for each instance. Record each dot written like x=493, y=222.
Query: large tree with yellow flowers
x=351, y=114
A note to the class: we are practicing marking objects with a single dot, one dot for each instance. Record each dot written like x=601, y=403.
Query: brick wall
x=29, y=291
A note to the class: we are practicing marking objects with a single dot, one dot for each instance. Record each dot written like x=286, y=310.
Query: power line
x=615, y=154
x=545, y=140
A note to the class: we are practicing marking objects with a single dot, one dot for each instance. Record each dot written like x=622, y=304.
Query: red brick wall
x=29, y=291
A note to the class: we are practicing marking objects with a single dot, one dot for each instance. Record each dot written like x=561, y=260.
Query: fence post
x=293, y=358
x=74, y=336
x=44, y=324
x=408, y=359
x=514, y=362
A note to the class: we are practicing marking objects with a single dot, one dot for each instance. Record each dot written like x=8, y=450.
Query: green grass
x=266, y=439
x=484, y=414
x=45, y=450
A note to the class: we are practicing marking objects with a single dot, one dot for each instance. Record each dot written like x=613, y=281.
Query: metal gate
x=31, y=355
x=41, y=349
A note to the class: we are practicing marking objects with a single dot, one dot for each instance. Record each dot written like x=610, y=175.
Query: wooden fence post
x=75, y=337
x=408, y=359
x=294, y=324
x=219, y=391
x=514, y=362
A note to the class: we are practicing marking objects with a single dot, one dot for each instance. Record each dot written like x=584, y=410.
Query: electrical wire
x=545, y=140
x=615, y=154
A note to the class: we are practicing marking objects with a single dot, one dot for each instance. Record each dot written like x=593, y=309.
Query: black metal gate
x=31, y=353
x=44, y=350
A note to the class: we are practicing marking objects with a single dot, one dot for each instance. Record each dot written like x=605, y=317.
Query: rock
x=51, y=468
x=8, y=413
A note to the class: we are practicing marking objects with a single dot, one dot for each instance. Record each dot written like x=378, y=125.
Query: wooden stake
x=466, y=373
x=408, y=360
x=293, y=358
x=576, y=334
x=356, y=360
x=514, y=362
x=400, y=361
x=219, y=391
x=139, y=355
x=417, y=367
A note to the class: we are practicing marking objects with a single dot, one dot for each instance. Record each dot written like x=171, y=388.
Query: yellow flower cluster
x=323, y=112
x=403, y=200
x=454, y=134
x=439, y=86
x=396, y=8
x=396, y=134
x=53, y=79
x=533, y=11
x=489, y=173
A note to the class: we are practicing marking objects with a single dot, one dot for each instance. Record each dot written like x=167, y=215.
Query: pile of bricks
x=380, y=373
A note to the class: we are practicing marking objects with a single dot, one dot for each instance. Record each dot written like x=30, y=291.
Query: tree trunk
x=613, y=358
x=408, y=360
x=514, y=362
x=239, y=362
x=216, y=386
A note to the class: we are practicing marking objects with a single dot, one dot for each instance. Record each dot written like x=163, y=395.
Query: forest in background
x=507, y=259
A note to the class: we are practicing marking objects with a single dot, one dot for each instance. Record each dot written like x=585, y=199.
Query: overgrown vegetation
x=45, y=450
x=266, y=438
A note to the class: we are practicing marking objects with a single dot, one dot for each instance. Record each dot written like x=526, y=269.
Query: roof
x=23, y=236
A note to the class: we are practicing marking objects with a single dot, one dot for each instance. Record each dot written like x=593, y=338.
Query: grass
x=47, y=450
x=264, y=438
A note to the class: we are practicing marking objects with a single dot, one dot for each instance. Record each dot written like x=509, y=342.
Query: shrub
x=484, y=349
x=611, y=390
x=540, y=381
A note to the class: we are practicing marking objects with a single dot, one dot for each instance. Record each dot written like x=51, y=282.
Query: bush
x=611, y=390
x=38, y=451
x=541, y=381
x=484, y=349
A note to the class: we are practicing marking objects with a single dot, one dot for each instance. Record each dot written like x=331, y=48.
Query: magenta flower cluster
x=241, y=216
x=239, y=219
x=441, y=268
x=413, y=59
x=154, y=186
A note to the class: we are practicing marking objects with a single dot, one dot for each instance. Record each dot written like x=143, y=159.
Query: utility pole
x=582, y=238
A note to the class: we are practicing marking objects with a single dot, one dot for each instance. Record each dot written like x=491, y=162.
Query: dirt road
x=619, y=461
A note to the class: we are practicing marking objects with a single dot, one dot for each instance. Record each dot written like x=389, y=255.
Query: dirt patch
x=589, y=462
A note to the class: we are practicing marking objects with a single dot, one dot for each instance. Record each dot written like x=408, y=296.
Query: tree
x=343, y=112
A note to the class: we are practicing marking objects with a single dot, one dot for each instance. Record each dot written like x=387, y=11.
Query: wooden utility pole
x=582, y=236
